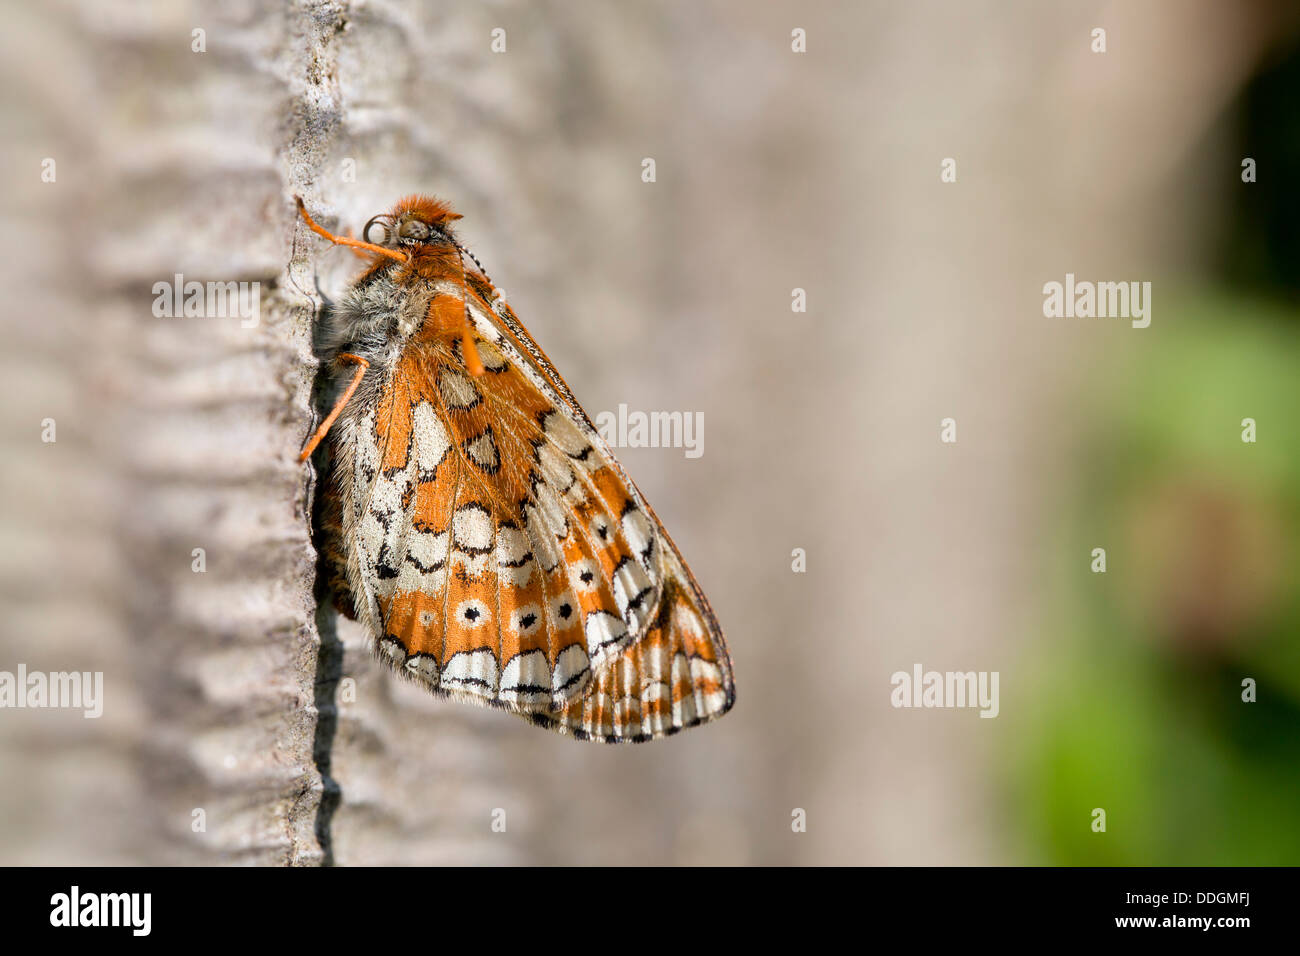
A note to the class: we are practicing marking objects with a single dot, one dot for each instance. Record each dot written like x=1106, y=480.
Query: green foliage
x=1140, y=707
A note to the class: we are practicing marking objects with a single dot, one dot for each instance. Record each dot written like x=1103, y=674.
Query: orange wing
x=679, y=673
x=676, y=676
x=499, y=553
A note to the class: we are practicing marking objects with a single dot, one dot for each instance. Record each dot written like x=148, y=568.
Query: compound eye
x=413, y=229
x=376, y=232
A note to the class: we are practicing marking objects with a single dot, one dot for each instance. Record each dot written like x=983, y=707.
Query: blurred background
x=244, y=724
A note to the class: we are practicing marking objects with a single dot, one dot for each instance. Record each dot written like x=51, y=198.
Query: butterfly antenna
x=470, y=253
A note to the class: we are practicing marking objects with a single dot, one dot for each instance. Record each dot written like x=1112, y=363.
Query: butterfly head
x=414, y=221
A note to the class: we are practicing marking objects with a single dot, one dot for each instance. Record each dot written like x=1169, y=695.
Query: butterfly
x=476, y=523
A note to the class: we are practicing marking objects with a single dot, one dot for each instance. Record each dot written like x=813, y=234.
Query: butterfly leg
x=452, y=316
x=473, y=362
x=355, y=251
x=316, y=438
x=341, y=241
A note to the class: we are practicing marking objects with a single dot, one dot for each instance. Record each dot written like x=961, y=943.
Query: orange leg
x=472, y=360
x=356, y=252
x=362, y=365
x=340, y=241
x=451, y=316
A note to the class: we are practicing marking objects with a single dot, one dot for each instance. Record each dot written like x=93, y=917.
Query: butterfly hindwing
x=676, y=676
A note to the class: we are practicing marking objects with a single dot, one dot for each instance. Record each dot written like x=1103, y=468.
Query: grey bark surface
x=231, y=698
x=179, y=434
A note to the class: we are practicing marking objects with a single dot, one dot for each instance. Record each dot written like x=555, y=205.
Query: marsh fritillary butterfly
x=477, y=524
